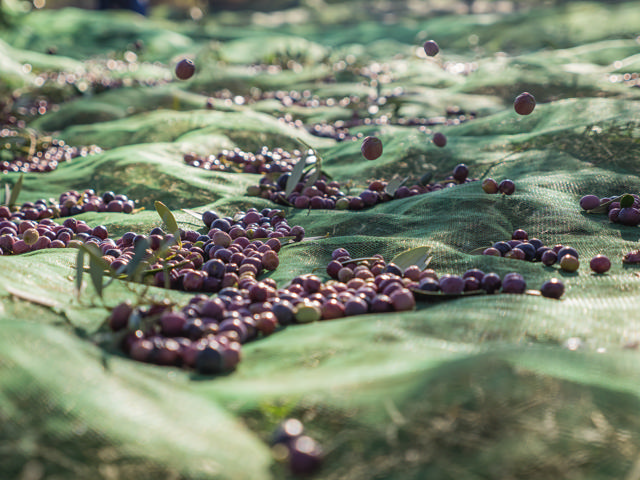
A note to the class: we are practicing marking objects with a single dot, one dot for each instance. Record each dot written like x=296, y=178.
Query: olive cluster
x=289, y=98
x=47, y=156
x=73, y=202
x=101, y=74
x=324, y=194
x=13, y=111
x=235, y=251
x=475, y=280
x=19, y=236
x=207, y=333
x=263, y=161
x=520, y=247
x=624, y=210
x=506, y=186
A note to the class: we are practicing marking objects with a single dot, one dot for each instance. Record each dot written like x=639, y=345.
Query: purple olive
x=402, y=299
x=600, y=264
x=332, y=308
x=491, y=282
x=507, y=187
x=185, y=69
x=629, y=216
x=381, y=304
x=431, y=48
x=513, y=283
x=589, y=202
x=524, y=103
x=553, y=288
x=439, y=139
x=371, y=148
x=549, y=258
x=460, y=173
x=172, y=323
x=451, y=284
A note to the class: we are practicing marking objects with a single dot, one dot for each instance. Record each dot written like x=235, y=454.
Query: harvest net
x=479, y=387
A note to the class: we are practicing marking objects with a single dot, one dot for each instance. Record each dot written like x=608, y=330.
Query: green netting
x=478, y=387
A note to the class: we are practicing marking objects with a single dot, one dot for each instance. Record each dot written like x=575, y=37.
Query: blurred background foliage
x=178, y=8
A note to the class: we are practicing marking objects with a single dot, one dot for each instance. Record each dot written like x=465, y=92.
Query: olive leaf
x=167, y=217
x=313, y=177
x=7, y=193
x=282, y=198
x=357, y=260
x=301, y=242
x=416, y=256
x=95, y=254
x=79, y=270
x=317, y=165
x=626, y=201
x=136, y=265
x=478, y=251
x=306, y=146
x=15, y=191
x=296, y=175
x=435, y=296
x=394, y=184
x=192, y=213
x=97, y=266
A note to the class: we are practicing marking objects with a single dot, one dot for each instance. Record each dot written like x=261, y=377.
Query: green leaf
x=284, y=199
x=97, y=266
x=167, y=217
x=313, y=177
x=15, y=191
x=478, y=251
x=296, y=175
x=626, y=201
x=79, y=270
x=136, y=265
x=394, y=184
x=95, y=253
x=304, y=144
x=416, y=256
x=435, y=296
x=96, y=271
x=7, y=193
x=192, y=213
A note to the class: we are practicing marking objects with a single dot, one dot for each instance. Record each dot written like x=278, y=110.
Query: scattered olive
x=431, y=48
x=185, y=69
x=600, y=264
x=553, y=288
x=439, y=139
x=524, y=103
x=371, y=148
